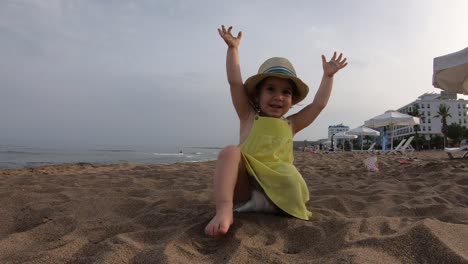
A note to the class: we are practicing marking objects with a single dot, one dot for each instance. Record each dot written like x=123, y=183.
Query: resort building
x=336, y=129
x=428, y=106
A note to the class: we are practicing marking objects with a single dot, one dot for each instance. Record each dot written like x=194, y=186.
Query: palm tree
x=415, y=112
x=443, y=113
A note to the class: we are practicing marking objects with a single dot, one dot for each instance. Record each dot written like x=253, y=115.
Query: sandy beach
x=127, y=213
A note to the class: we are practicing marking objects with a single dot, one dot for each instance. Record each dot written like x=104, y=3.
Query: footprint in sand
x=194, y=246
x=302, y=238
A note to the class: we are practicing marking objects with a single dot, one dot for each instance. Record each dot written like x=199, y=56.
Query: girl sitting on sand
x=263, y=161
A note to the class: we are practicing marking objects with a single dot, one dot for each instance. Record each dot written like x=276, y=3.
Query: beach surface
x=415, y=212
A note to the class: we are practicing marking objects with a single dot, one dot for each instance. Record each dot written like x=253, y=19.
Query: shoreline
x=95, y=165
x=45, y=164
x=37, y=156
x=296, y=151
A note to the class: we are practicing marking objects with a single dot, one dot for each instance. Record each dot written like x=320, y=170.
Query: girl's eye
x=287, y=92
x=269, y=88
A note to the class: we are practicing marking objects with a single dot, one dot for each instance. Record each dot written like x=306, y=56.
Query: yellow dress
x=268, y=156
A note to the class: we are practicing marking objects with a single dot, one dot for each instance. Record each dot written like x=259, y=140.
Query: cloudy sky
x=152, y=72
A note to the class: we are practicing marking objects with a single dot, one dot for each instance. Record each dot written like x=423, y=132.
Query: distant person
x=263, y=161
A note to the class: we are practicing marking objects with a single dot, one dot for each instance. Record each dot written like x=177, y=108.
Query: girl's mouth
x=276, y=106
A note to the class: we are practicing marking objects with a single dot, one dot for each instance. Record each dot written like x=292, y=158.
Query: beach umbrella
x=392, y=118
x=451, y=72
x=363, y=131
x=344, y=135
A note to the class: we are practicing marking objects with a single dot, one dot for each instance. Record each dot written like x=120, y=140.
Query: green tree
x=437, y=142
x=366, y=138
x=443, y=113
x=455, y=132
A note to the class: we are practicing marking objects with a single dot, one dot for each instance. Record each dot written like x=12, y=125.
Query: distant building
x=428, y=106
x=336, y=129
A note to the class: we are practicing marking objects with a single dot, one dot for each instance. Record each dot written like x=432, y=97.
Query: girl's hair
x=260, y=84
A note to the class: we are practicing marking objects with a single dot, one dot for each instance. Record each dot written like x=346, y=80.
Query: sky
x=152, y=72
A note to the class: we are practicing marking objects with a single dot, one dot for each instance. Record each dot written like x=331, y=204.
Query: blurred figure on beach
x=259, y=171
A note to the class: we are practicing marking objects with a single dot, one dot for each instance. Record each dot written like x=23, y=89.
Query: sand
x=127, y=213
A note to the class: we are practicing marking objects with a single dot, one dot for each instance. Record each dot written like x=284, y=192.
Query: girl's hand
x=334, y=65
x=231, y=41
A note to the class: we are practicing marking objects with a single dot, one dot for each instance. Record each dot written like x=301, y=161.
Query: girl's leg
x=230, y=183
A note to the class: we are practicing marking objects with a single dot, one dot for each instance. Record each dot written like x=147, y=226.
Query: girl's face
x=275, y=98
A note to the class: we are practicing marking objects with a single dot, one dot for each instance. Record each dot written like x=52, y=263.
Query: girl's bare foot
x=221, y=222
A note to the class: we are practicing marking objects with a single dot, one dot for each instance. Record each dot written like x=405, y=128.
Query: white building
x=428, y=106
x=335, y=129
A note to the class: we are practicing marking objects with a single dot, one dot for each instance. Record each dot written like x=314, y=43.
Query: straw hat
x=281, y=68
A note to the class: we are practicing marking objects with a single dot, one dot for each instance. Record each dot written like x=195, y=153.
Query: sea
x=27, y=156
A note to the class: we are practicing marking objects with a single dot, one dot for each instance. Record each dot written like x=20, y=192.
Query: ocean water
x=18, y=156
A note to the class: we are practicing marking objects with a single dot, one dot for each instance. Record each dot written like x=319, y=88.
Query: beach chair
x=463, y=149
x=371, y=148
x=463, y=142
x=395, y=150
x=406, y=147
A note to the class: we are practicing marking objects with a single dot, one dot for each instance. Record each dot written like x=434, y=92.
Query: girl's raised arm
x=238, y=94
x=309, y=113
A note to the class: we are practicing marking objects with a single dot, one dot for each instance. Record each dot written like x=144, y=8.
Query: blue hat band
x=279, y=69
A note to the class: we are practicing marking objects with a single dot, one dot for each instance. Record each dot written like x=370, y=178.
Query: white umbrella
x=344, y=135
x=363, y=131
x=451, y=72
x=392, y=119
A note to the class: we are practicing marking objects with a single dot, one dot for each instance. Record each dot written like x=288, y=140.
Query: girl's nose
x=278, y=97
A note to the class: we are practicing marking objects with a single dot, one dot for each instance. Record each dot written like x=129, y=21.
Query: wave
x=113, y=150
x=29, y=164
x=18, y=152
x=168, y=154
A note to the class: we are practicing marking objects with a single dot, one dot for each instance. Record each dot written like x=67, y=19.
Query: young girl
x=263, y=161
